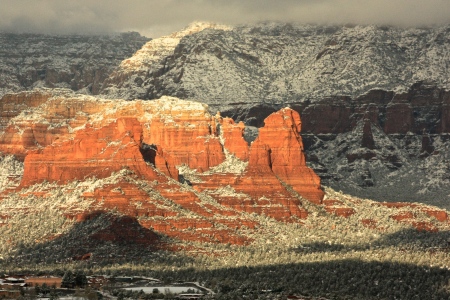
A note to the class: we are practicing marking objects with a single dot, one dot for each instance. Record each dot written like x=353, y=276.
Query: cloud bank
x=154, y=18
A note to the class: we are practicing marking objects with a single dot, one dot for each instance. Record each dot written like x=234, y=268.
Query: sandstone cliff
x=64, y=138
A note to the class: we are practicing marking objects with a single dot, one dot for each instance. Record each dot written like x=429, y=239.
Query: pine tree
x=80, y=278
x=68, y=280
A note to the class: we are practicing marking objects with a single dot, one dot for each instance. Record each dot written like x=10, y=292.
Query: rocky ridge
x=271, y=64
x=133, y=77
x=67, y=138
x=78, y=62
x=81, y=158
x=386, y=146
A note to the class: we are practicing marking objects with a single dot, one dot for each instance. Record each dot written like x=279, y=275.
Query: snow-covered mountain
x=78, y=62
x=275, y=64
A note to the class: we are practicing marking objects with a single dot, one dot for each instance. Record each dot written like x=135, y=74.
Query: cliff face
x=90, y=153
x=382, y=145
x=279, y=147
x=65, y=138
x=235, y=70
x=138, y=77
x=423, y=108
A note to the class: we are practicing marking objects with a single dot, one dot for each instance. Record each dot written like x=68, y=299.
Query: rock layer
x=91, y=153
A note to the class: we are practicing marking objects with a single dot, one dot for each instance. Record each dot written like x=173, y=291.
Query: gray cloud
x=157, y=17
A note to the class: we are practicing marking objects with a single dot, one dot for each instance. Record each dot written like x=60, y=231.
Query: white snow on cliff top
x=165, y=45
x=98, y=110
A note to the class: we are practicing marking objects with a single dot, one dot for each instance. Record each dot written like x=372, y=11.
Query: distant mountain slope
x=73, y=61
x=275, y=64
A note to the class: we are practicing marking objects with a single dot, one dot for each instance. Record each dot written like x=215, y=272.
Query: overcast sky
x=154, y=18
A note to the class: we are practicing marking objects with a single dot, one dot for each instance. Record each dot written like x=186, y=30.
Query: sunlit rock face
x=150, y=148
x=167, y=132
x=279, y=146
x=91, y=153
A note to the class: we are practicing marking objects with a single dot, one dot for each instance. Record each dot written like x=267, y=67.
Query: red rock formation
x=424, y=226
x=15, y=140
x=369, y=223
x=276, y=164
x=397, y=204
x=279, y=149
x=233, y=135
x=411, y=211
x=404, y=215
x=440, y=215
x=394, y=113
x=11, y=105
x=93, y=152
x=338, y=208
x=69, y=138
x=332, y=202
x=187, y=139
x=340, y=211
x=399, y=117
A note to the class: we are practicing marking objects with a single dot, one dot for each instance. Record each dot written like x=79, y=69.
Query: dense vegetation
x=407, y=264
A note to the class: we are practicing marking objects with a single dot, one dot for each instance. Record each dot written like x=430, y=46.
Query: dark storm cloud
x=163, y=16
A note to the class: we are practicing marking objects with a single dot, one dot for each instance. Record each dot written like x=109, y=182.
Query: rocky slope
x=382, y=145
x=80, y=63
x=378, y=95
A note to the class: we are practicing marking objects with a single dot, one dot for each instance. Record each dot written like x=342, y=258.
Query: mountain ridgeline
x=77, y=62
